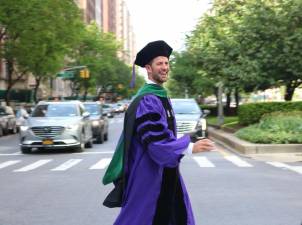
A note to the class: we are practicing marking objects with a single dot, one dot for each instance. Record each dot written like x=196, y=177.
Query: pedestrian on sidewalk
x=149, y=185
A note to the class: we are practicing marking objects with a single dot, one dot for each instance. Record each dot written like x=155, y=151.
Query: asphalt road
x=64, y=188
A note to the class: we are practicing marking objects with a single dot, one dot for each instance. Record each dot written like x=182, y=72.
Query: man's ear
x=148, y=68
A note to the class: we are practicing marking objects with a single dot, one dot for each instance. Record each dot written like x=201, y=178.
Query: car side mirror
x=25, y=116
x=86, y=114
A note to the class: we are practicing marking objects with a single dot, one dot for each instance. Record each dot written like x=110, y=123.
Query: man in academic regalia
x=153, y=191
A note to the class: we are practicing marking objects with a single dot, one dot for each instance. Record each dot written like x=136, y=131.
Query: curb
x=247, y=148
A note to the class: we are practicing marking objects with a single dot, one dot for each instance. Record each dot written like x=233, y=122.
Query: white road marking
x=297, y=169
x=102, y=164
x=92, y=153
x=33, y=165
x=8, y=163
x=8, y=154
x=68, y=164
x=237, y=161
x=203, y=161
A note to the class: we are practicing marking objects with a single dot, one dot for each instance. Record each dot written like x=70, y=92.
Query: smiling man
x=153, y=189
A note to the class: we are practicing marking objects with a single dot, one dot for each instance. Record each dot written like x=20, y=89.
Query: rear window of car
x=55, y=110
x=185, y=107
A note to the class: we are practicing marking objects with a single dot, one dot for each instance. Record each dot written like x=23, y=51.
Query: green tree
x=37, y=36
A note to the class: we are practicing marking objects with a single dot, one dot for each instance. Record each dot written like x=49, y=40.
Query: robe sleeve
x=153, y=132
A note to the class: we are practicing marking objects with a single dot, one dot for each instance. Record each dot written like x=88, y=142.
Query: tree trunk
x=10, y=72
x=38, y=81
x=290, y=90
x=228, y=102
x=10, y=81
x=237, y=97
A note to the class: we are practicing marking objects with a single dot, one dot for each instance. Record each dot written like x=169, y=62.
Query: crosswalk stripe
x=237, y=161
x=68, y=164
x=102, y=164
x=8, y=163
x=33, y=165
x=297, y=169
x=203, y=161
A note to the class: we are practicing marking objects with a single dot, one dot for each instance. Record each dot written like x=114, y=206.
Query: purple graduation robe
x=155, y=193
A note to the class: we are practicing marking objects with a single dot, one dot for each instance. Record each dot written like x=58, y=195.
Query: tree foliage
x=36, y=36
x=248, y=45
x=99, y=52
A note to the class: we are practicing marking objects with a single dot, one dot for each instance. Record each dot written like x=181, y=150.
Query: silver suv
x=55, y=125
x=190, y=119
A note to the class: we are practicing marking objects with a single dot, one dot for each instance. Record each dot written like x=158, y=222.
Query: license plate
x=47, y=142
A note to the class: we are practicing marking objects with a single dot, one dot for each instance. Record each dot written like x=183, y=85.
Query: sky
x=168, y=20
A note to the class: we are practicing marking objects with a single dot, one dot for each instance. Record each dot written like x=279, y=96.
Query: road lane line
x=102, y=164
x=33, y=165
x=203, y=161
x=9, y=163
x=237, y=161
x=68, y=164
x=92, y=153
x=297, y=169
x=10, y=154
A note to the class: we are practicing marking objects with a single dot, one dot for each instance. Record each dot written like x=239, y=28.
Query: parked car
x=2, y=125
x=21, y=115
x=55, y=125
x=99, y=121
x=8, y=120
x=190, y=119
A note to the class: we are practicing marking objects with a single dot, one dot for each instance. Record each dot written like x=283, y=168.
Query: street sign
x=66, y=74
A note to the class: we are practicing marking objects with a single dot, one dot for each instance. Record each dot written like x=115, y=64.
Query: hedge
x=275, y=128
x=251, y=113
x=214, y=110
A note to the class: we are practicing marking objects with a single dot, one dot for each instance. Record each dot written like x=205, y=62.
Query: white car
x=190, y=119
x=57, y=125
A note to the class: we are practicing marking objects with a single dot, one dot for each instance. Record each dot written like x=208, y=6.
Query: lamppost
x=220, y=116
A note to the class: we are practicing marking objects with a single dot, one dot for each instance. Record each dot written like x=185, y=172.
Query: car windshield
x=185, y=107
x=106, y=106
x=55, y=110
x=93, y=109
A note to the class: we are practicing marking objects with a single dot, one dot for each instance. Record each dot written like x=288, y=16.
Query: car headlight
x=95, y=123
x=24, y=128
x=73, y=127
x=202, y=123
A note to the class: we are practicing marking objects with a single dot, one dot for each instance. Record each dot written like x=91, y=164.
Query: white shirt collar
x=150, y=82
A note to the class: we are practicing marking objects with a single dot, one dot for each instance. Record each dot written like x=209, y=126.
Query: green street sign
x=66, y=74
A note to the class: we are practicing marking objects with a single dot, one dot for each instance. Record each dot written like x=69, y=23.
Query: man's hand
x=203, y=145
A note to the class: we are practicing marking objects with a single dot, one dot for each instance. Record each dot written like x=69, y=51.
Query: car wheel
x=1, y=132
x=5, y=130
x=100, y=138
x=14, y=130
x=25, y=150
x=106, y=137
x=81, y=147
x=89, y=144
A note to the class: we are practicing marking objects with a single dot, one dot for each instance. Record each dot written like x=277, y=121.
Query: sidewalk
x=264, y=152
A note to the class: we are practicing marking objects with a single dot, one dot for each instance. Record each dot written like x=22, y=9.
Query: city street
x=65, y=188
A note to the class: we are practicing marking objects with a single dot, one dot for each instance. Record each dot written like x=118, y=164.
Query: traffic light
x=82, y=73
x=87, y=74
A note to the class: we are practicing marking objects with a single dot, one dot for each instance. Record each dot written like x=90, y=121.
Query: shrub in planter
x=275, y=128
x=251, y=113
